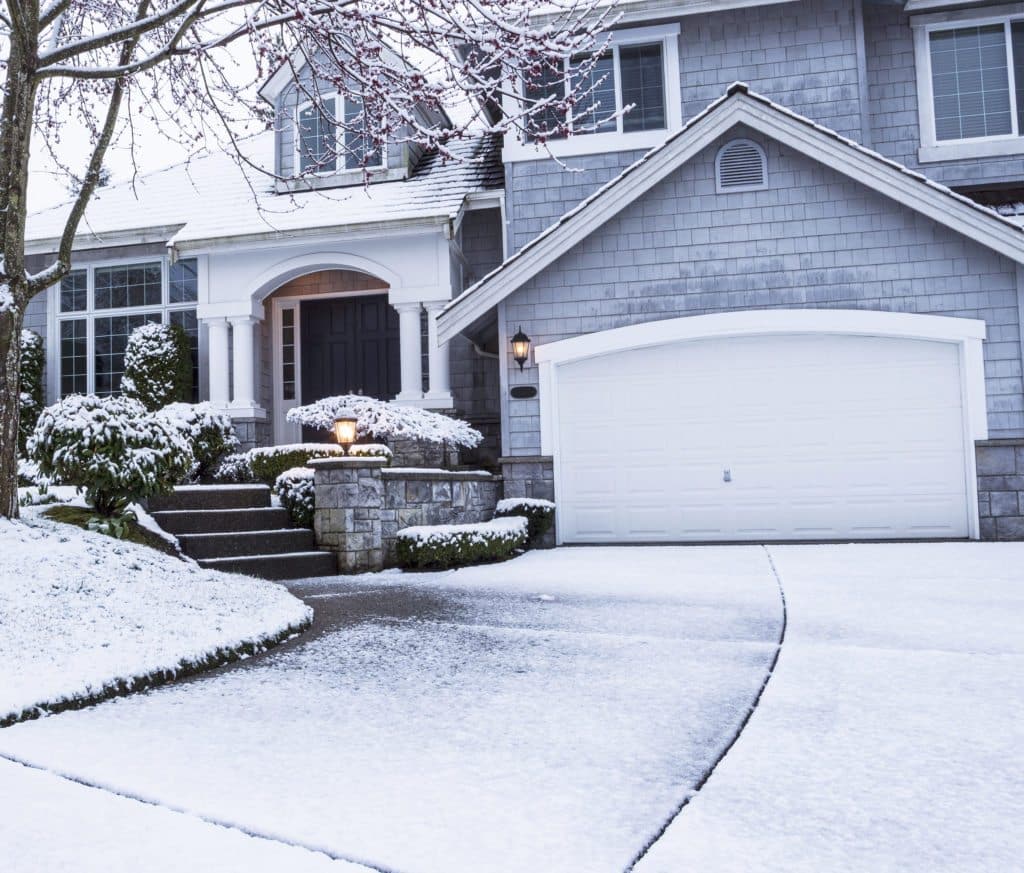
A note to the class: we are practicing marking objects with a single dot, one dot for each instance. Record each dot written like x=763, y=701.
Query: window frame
x=932, y=148
x=339, y=146
x=91, y=313
x=517, y=149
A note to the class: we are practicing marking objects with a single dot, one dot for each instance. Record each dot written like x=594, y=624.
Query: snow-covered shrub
x=33, y=360
x=29, y=475
x=381, y=420
x=295, y=490
x=111, y=447
x=269, y=462
x=234, y=469
x=540, y=514
x=210, y=433
x=157, y=365
x=439, y=547
x=371, y=450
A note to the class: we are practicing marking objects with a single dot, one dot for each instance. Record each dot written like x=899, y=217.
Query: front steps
x=235, y=529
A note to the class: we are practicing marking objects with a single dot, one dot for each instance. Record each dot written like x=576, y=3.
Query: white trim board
x=737, y=107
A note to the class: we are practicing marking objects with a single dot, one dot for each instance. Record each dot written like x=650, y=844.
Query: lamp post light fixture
x=520, y=348
x=345, y=430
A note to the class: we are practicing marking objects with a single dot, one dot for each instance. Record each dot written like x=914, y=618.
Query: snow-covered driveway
x=891, y=734
x=544, y=715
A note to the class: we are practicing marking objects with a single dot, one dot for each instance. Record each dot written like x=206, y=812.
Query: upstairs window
x=323, y=143
x=970, y=84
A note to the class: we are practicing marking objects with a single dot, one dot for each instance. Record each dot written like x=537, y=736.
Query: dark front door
x=349, y=346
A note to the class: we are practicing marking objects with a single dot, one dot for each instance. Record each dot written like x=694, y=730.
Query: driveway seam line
x=739, y=730
x=204, y=818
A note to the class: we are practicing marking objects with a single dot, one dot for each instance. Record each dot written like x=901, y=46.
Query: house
x=780, y=299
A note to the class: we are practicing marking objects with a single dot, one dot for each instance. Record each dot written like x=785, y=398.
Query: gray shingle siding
x=812, y=239
x=35, y=319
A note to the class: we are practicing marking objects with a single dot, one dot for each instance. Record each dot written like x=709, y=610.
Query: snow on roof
x=210, y=197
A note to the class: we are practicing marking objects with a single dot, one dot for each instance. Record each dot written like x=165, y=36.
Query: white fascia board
x=106, y=240
x=628, y=11
x=846, y=157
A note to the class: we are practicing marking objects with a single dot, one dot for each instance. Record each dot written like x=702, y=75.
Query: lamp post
x=520, y=347
x=345, y=430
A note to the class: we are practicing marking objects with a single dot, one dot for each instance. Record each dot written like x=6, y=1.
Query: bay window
x=98, y=308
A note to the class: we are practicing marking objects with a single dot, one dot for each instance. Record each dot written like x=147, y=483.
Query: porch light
x=345, y=430
x=520, y=348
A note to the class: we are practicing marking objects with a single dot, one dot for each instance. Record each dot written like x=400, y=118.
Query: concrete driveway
x=556, y=713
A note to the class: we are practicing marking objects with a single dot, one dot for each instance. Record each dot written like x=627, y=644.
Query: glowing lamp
x=345, y=430
x=520, y=348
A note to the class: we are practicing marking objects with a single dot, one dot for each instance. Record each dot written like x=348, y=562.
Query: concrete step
x=296, y=565
x=197, y=521
x=203, y=497
x=241, y=543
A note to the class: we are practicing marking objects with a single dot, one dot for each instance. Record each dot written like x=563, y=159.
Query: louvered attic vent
x=741, y=166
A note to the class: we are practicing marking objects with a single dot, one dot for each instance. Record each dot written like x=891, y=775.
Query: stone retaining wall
x=530, y=476
x=361, y=505
x=1001, y=489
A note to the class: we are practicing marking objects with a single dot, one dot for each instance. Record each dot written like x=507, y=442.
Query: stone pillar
x=243, y=374
x=410, y=342
x=1001, y=488
x=438, y=363
x=219, y=362
x=347, y=520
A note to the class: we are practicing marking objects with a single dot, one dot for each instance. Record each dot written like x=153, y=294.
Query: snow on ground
x=545, y=714
x=80, y=610
x=891, y=735
x=100, y=832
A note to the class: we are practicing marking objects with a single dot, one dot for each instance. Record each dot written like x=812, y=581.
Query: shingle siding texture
x=813, y=239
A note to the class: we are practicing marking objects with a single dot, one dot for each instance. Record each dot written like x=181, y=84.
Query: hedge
x=33, y=362
x=539, y=513
x=443, y=546
x=296, y=492
x=267, y=463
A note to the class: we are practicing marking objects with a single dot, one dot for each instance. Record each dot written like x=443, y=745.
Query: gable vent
x=741, y=166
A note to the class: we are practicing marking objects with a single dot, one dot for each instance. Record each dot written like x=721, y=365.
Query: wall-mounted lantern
x=520, y=348
x=345, y=430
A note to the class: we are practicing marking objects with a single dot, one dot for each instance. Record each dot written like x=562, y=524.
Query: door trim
x=966, y=333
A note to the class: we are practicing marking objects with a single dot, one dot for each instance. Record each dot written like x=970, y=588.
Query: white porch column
x=243, y=381
x=410, y=343
x=438, y=357
x=218, y=357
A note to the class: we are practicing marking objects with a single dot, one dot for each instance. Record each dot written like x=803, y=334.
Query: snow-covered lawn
x=547, y=714
x=81, y=613
x=891, y=735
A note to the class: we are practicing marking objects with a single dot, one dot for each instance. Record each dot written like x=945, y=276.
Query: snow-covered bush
x=234, y=469
x=33, y=360
x=29, y=475
x=381, y=420
x=371, y=450
x=442, y=546
x=157, y=365
x=269, y=462
x=295, y=490
x=540, y=514
x=210, y=433
x=111, y=447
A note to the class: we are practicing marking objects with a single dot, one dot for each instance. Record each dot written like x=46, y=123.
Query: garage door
x=786, y=437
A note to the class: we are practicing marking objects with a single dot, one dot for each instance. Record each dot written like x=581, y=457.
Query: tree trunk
x=10, y=395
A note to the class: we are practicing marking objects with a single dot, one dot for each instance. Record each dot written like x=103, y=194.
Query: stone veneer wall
x=1001, y=489
x=361, y=506
x=530, y=476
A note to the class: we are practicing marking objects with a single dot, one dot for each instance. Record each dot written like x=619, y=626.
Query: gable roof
x=737, y=106
x=211, y=199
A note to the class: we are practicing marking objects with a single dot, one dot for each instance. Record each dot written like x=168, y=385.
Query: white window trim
x=738, y=189
x=932, y=149
x=339, y=145
x=91, y=313
x=614, y=141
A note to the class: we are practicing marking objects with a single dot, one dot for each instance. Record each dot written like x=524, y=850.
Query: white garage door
x=787, y=437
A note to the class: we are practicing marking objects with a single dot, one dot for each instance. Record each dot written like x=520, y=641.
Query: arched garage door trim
x=966, y=334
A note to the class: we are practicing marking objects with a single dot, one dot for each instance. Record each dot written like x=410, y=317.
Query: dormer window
x=639, y=68
x=323, y=144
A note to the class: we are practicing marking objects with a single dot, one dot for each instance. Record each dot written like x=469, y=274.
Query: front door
x=349, y=346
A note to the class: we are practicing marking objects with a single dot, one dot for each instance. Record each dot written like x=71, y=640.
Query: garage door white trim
x=966, y=334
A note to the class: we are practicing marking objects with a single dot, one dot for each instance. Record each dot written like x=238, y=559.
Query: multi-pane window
x=288, y=353
x=318, y=137
x=100, y=307
x=624, y=76
x=977, y=82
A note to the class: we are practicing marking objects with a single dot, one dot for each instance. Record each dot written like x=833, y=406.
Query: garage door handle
x=727, y=475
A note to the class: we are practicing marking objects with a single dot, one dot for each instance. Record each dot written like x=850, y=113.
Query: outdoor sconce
x=520, y=348
x=345, y=430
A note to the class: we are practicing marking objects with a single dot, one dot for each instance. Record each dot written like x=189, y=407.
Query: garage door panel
x=823, y=437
